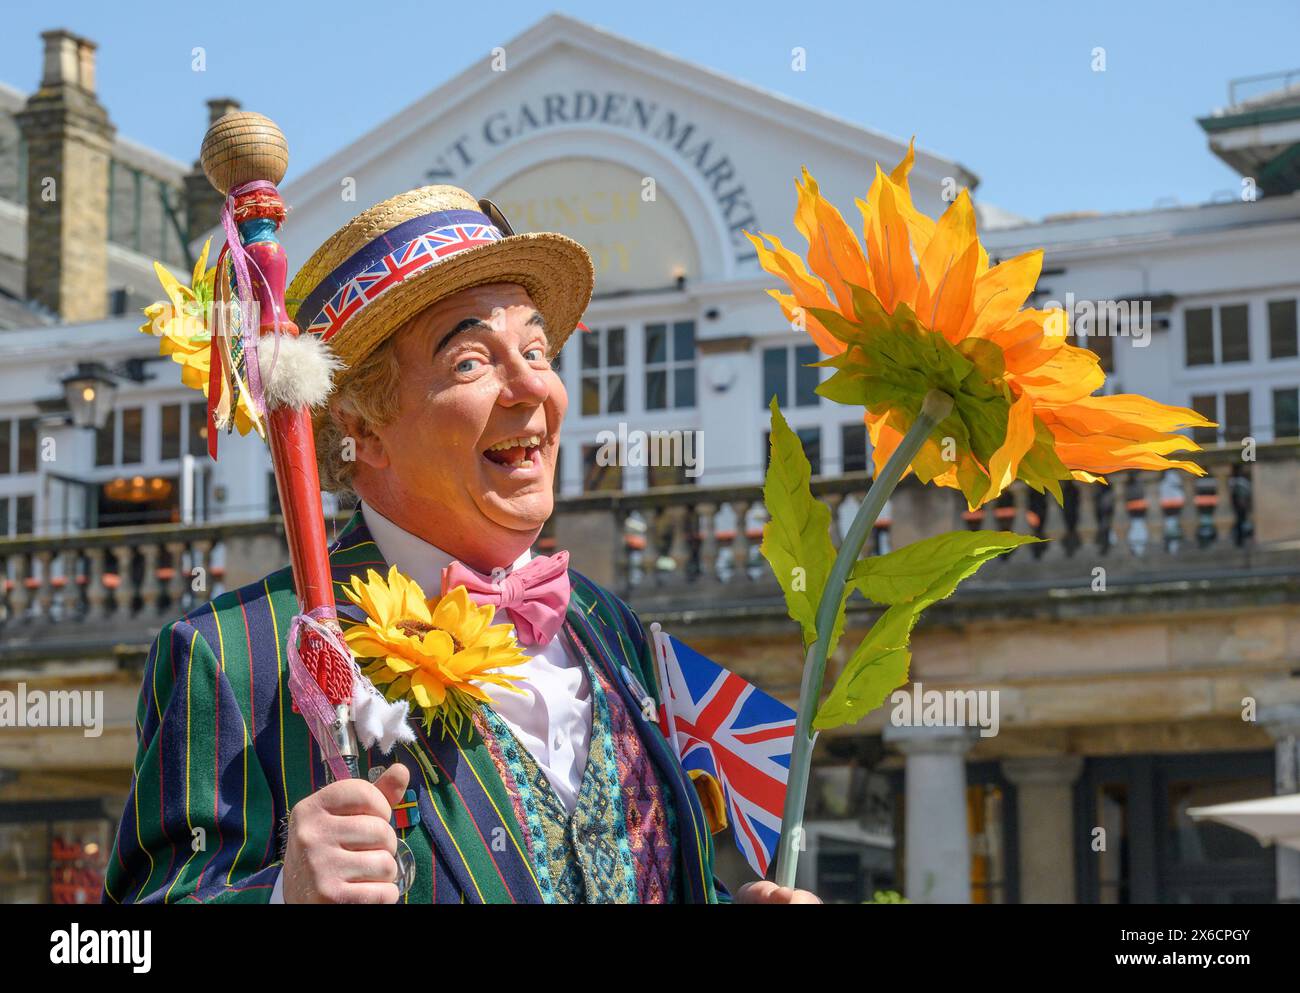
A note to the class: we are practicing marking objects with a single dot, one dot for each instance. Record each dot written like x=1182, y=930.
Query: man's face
x=473, y=448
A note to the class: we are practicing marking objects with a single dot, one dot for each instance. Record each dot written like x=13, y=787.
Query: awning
x=1272, y=819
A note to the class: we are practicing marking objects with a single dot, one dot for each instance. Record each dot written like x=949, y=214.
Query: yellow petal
x=1003, y=290
x=1005, y=462
x=808, y=292
x=399, y=664
x=437, y=644
x=833, y=250
x=1069, y=375
x=948, y=269
x=200, y=264
x=889, y=246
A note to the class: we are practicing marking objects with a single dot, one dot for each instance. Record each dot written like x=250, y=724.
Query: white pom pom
x=378, y=721
x=299, y=373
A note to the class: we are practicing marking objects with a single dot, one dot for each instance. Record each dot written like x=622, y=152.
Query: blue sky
x=1005, y=88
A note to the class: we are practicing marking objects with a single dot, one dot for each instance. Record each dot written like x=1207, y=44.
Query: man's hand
x=765, y=891
x=341, y=845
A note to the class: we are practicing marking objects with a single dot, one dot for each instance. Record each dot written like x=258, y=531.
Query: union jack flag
x=724, y=727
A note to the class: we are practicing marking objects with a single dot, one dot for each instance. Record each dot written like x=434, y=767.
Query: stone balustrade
x=687, y=547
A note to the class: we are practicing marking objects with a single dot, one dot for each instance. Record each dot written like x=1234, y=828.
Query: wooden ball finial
x=242, y=146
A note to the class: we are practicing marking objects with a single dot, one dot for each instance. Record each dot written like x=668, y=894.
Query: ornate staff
x=259, y=349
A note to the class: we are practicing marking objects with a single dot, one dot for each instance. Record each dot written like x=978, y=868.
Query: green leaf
x=916, y=570
x=907, y=581
x=797, y=536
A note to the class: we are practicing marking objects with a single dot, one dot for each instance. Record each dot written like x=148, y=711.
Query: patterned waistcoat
x=618, y=845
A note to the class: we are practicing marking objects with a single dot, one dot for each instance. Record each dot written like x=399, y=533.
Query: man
x=446, y=423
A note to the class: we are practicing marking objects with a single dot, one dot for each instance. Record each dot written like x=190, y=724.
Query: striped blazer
x=222, y=758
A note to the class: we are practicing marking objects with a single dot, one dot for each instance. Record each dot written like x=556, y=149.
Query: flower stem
x=936, y=406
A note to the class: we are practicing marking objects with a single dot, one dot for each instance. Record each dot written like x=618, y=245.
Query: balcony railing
x=690, y=546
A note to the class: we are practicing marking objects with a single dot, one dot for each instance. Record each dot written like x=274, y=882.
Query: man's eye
x=534, y=355
x=466, y=365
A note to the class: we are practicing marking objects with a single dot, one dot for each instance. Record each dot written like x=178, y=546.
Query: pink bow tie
x=534, y=597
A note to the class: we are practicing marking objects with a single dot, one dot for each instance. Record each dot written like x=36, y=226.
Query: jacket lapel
x=463, y=803
x=617, y=647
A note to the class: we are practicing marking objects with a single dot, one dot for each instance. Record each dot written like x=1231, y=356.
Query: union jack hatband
x=402, y=255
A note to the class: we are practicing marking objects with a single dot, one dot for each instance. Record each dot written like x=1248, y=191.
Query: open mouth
x=515, y=453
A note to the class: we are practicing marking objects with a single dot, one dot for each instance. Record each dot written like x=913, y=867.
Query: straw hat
x=400, y=256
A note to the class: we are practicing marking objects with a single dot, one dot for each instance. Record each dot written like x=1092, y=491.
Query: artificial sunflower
x=437, y=653
x=180, y=322
x=922, y=309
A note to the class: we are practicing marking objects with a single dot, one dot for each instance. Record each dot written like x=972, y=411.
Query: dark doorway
x=1136, y=844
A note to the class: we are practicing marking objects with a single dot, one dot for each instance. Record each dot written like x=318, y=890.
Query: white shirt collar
x=414, y=557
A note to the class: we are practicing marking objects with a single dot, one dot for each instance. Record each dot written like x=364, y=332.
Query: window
x=1236, y=416
x=53, y=851
x=1282, y=339
x=1234, y=333
x=28, y=434
x=597, y=476
x=1199, y=325
x=24, y=514
x=788, y=371
x=132, y=435
x=104, y=440
x=171, y=432
x=853, y=448
x=809, y=438
x=670, y=365
x=604, y=361
x=672, y=458
x=775, y=377
x=1207, y=405
x=27, y=430
x=1099, y=338
x=198, y=429
x=1286, y=413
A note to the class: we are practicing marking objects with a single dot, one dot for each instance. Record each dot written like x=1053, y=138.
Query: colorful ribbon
x=248, y=330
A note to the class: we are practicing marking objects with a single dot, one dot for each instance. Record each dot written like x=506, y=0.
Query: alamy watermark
x=651, y=448
x=102, y=947
x=1102, y=319
x=195, y=321
x=53, y=709
x=920, y=707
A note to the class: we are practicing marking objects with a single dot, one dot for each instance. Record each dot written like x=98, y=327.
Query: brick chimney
x=202, y=201
x=69, y=144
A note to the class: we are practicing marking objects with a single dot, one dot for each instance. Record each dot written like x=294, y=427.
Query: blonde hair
x=367, y=392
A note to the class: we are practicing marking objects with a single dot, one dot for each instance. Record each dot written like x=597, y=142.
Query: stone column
x=1045, y=809
x=69, y=145
x=1282, y=722
x=937, y=835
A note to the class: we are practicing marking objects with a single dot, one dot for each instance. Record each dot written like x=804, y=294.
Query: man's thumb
x=392, y=784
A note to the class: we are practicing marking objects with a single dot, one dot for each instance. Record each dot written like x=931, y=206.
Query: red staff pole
x=244, y=155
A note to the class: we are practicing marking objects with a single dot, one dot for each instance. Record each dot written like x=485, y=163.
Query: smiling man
x=446, y=424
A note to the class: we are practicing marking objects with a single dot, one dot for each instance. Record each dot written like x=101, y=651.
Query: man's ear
x=357, y=434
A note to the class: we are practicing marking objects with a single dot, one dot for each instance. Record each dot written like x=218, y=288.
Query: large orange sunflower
x=921, y=308
x=436, y=652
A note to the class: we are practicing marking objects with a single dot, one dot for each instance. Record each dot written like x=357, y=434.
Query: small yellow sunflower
x=434, y=652
x=180, y=323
